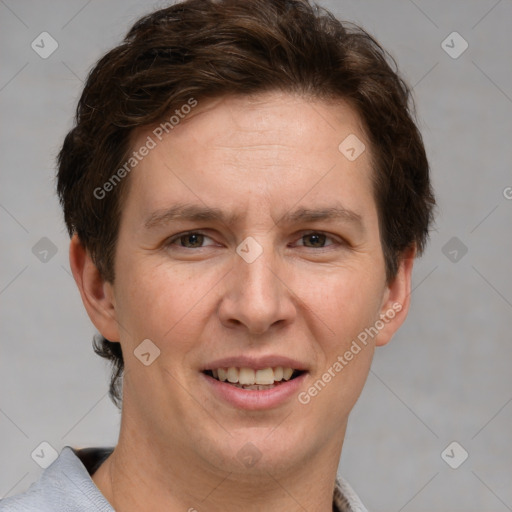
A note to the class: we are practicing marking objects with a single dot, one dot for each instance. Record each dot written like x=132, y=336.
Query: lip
x=256, y=363
x=255, y=400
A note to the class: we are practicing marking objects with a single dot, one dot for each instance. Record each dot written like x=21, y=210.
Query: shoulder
x=39, y=497
x=345, y=498
x=32, y=500
x=64, y=486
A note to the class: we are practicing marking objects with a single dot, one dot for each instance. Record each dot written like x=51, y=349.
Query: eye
x=190, y=240
x=197, y=239
x=316, y=240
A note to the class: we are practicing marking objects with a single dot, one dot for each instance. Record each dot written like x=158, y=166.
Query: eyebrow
x=189, y=212
x=200, y=213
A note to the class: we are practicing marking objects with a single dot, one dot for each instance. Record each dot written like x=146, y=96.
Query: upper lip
x=256, y=363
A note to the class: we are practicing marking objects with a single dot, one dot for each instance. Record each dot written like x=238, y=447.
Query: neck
x=143, y=475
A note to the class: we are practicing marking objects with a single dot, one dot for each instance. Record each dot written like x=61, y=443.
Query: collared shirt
x=66, y=486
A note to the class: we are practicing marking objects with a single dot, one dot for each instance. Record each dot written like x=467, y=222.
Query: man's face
x=289, y=277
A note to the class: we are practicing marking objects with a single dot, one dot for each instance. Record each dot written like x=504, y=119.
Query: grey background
x=446, y=375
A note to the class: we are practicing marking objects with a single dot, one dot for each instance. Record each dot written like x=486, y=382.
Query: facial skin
x=305, y=298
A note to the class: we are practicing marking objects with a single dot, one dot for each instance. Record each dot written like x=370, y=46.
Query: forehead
x=265, y=120
x=244, y=152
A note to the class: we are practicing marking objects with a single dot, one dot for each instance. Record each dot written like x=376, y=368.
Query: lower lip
x=252, y=399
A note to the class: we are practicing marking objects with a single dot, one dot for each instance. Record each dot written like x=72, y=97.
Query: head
x=249, y=113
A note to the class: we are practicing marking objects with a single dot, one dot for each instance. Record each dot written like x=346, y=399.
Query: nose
x=257, y=296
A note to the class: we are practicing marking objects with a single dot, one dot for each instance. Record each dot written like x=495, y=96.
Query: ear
x=97, y=294
x=396, y=300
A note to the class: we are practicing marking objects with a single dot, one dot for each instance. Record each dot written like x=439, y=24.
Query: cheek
x=156, y=301
x=345, y=307
x=345, y=301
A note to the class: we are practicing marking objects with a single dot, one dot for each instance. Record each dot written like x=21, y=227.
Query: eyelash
x=335, y=241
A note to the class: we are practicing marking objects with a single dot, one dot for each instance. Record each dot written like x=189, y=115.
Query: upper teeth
x=248, y=376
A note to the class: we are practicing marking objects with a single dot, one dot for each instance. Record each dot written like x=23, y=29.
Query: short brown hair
x=212, y=48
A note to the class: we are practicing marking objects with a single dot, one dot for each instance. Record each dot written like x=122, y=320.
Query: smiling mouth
x=250, y=379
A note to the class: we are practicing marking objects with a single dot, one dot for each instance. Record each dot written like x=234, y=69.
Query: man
x=246, y=192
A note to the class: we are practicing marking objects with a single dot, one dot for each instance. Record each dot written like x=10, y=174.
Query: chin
x=257, y=451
